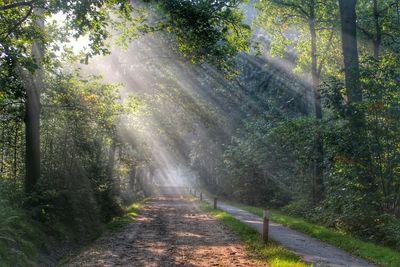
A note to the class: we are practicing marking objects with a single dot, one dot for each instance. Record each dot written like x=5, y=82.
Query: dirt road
x=169, y=232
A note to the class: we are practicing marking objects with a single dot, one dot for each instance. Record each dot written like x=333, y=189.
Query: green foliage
x=130, y=213
x=77, y=187
x=20, y=236
x=89, y=18
x=270, y=160
x=277, y=154
x=208, y=30
x=288, y=24
x=256, y=145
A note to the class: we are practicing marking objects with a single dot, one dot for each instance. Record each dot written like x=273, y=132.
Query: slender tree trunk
x=33, y=84
x=350, y=50
x=315, y=76
x=378, y=31
x=3, y=144
x=16, y=135
x=360, y=150
x=110, y=169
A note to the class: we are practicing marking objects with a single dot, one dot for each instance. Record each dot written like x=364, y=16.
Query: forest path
x=170, y=231
x=310, y=249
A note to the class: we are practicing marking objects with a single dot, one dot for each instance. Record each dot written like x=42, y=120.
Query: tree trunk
x=378, y=31
x=33, y=83
x=350, y=52
x=360, y=150
x=110, y=169
x=16, y=135
x=315, y=76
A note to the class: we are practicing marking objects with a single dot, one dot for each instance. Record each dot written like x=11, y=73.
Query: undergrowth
x=130, y=214
x=20, y=236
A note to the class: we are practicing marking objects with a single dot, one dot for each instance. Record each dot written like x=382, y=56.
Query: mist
x=183, y=105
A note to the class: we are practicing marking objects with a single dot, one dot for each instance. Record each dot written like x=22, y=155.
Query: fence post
x=201, y=196
x=265, y=226
x=215, y=203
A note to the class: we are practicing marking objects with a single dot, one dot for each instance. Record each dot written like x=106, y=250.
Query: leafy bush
x=298, y=208
x=388, y=230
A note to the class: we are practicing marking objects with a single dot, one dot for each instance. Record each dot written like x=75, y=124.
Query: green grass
x=273, y=253
x=130, y=213
x=380, y=255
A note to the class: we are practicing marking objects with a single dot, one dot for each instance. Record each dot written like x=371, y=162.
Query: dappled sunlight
x=180, y=105
x=187, y=234
x=290, y=106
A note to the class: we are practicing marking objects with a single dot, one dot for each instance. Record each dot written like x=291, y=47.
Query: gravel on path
x=170, y=231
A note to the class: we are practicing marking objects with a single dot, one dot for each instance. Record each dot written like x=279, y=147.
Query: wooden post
x=215, y=203
x=201, y=196
x=265, y=226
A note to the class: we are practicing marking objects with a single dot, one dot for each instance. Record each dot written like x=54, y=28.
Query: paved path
x=310, y=249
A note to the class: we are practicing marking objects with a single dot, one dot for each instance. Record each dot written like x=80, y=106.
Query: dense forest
x=288, y=104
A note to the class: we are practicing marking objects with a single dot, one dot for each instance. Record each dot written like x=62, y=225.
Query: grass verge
x=380, y=255
x=273, y=253
x=130, y=213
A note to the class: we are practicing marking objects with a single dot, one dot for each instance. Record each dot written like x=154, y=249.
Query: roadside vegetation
x=129, y=215
x=383, y=256
x=273, y=253
x=319, y=136
x=20, y=236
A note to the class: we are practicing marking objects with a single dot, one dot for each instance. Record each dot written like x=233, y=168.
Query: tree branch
x=18, y=4
x=16, y=25
x=293, y=5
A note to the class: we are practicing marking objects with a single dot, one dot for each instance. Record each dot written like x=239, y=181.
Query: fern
x=19, y=237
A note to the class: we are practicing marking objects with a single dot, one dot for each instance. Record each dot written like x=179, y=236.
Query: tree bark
x=350, y=51
x=315, y=77
x=33, y=84
x=110, y=169
x=2, y=150
x=360, y=150
x=378, y=31
x=16, y=135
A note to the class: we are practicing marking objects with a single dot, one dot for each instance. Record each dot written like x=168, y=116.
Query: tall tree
x=360, y=150
x=206, y=30
x=24, y=24
x=313, y=25
x=33, y=85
